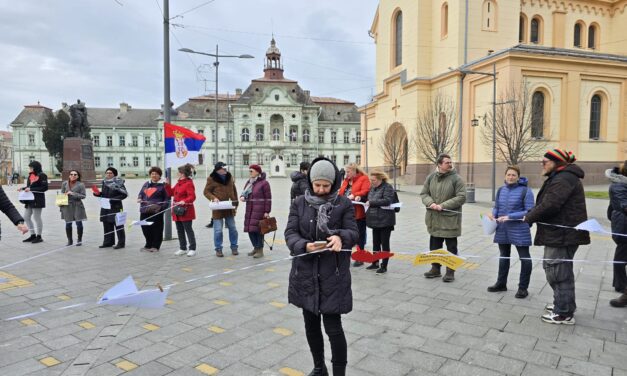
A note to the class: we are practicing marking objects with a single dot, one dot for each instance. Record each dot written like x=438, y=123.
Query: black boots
x=320, y=368
x=79, y=240
x=449, y=276
x=620, y=302
x=37, y=239
x=434, y=272
x=68, y=233
x=29, y=239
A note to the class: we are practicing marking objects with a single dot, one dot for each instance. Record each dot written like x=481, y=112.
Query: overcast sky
x=110, y=51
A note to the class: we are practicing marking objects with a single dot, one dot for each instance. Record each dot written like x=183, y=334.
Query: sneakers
x=554, y=318
x=180, y=252
x=191, y=253
x=549, y=307
x=497, y=288
x=29, y=239
x=521, y=293
x=373, y=266
x=37, y=239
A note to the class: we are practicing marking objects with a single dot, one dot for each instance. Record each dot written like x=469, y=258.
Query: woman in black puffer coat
x=37, y=182
x=320, y=283
x=380, y=220
x=617, y=214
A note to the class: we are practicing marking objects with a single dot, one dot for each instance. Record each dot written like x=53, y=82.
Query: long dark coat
x=321, y=282
x=258, y=202
x=115, y=191
x=617, y=211
x=383, y=195
x=560, y=201
x=223, y=191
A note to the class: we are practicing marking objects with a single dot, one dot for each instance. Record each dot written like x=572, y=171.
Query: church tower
x=273, y=69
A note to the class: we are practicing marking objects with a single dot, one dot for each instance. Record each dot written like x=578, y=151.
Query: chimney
x=124, y=107
x=238, y=91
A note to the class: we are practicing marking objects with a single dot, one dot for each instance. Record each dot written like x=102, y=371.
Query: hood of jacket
x=442, y=174
x=615, y=176
x=573, y=169
x=216, y=178
x=297, y=175
x=338, y=179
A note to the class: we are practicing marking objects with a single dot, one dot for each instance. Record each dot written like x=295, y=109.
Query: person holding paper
x=513, y=201
x=322, y=221
x=561, y=201
x=74, y=211
x=221, y=187
x=37, y=183
x=114, y=190
x=380, y=220
x=184, y=195
x=617, y=214
x=258, y=198
x=443, y=193
x=153, y=200
x=11, y=212
x=355, y=187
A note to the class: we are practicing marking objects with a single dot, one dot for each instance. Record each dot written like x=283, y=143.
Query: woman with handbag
x=74, y=211
x=114, y=190
x=183, y=213
x=380, y=220
x=258, y=199
x=322, y=221
x=153, y=199
x=36, y=182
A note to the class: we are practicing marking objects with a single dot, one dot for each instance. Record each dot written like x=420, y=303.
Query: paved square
x=239, y=323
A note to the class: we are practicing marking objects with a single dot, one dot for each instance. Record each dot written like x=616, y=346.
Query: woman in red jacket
x=183, y=213
x=355, y=187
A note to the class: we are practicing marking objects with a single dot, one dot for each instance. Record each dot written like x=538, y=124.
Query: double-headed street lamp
x=216, y=64
x=366, y=143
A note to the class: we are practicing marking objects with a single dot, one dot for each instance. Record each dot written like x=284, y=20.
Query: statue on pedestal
x=79, y=126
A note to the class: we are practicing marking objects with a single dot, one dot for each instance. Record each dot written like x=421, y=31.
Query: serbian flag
x=181, y=145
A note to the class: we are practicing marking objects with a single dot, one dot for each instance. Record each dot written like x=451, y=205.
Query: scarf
x=249, y=187
x=324, y=206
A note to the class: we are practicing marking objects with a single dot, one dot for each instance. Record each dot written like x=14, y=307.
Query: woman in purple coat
x=258, y=199
x=512, y=203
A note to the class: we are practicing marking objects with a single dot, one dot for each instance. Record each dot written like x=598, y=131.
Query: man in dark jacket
x=9, y=210
x=560, y=205
x=323, y=222
x=299, y=181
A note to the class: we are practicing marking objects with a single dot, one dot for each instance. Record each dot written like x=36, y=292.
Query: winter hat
x=560, y=155
x=255, y=167
x=113, y=170
x=322, y=170
x=219, y=166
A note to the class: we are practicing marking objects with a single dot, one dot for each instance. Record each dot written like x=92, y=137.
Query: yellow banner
x=61, y=200
x=440, y=256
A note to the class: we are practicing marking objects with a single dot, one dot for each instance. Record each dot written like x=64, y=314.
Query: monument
x=78, y=152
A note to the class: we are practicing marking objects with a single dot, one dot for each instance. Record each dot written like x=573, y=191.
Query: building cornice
x=596, y=7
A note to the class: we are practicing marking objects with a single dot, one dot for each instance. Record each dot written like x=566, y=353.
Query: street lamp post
x=216, y=64
x=366, y=140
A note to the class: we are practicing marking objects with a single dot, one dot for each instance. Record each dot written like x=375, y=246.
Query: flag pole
x=167, y=230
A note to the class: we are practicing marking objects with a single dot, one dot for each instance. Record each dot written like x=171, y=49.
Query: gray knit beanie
x=322, y=170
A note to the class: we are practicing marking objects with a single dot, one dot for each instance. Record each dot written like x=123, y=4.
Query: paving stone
x=583, y=368
x=443, y=349
x=531, y=356
x=419, y=359
x=535, y=370
x=455, y=368
x=494, y=362
x=392, y=368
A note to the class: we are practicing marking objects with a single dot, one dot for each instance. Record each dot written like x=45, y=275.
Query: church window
x=536, y=30
x=444, y=21
x=537, y=115
x=577, y=35
x=522, y=28
x=276, y=134
x=398, y=38
x=306, y=136
x=489, y=15
x=592, y=36
x=595, y=117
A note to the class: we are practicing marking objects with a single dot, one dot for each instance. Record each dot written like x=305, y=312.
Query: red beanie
x=255, y=167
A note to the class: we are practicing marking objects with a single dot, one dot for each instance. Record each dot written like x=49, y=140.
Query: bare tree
x=393, y=145
x=435, y=129
x=519, y=126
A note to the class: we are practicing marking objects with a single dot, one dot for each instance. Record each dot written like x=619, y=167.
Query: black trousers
x=153, y=233
x=620, y=274
x=381, y=241
x=183, y=228
x=525, y=265
x=110, y=229
x=437, y=243
x=335, y=332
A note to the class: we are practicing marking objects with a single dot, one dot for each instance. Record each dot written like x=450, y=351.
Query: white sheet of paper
x=591, y=225
x=105, y=203
x=362, y=204
x=25, y=196
x=393, y=206
x=221, y=205
x=489, y=225
x=125, y=293
x=141, y=223
x=120, y=218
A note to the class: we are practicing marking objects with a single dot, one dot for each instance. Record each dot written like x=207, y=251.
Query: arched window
x=259, y=133
x=398, y=39
x=276, y=134
x=444, y=21
x=536, y=31
x=537, y=115
x=592, y=37
x=522, y=28
x=305, y=136
x=489, y=15
x=577, y=35
x=595, y=117
x=245, y=135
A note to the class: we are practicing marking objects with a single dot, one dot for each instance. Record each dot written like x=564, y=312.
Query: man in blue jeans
x=221, y=187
